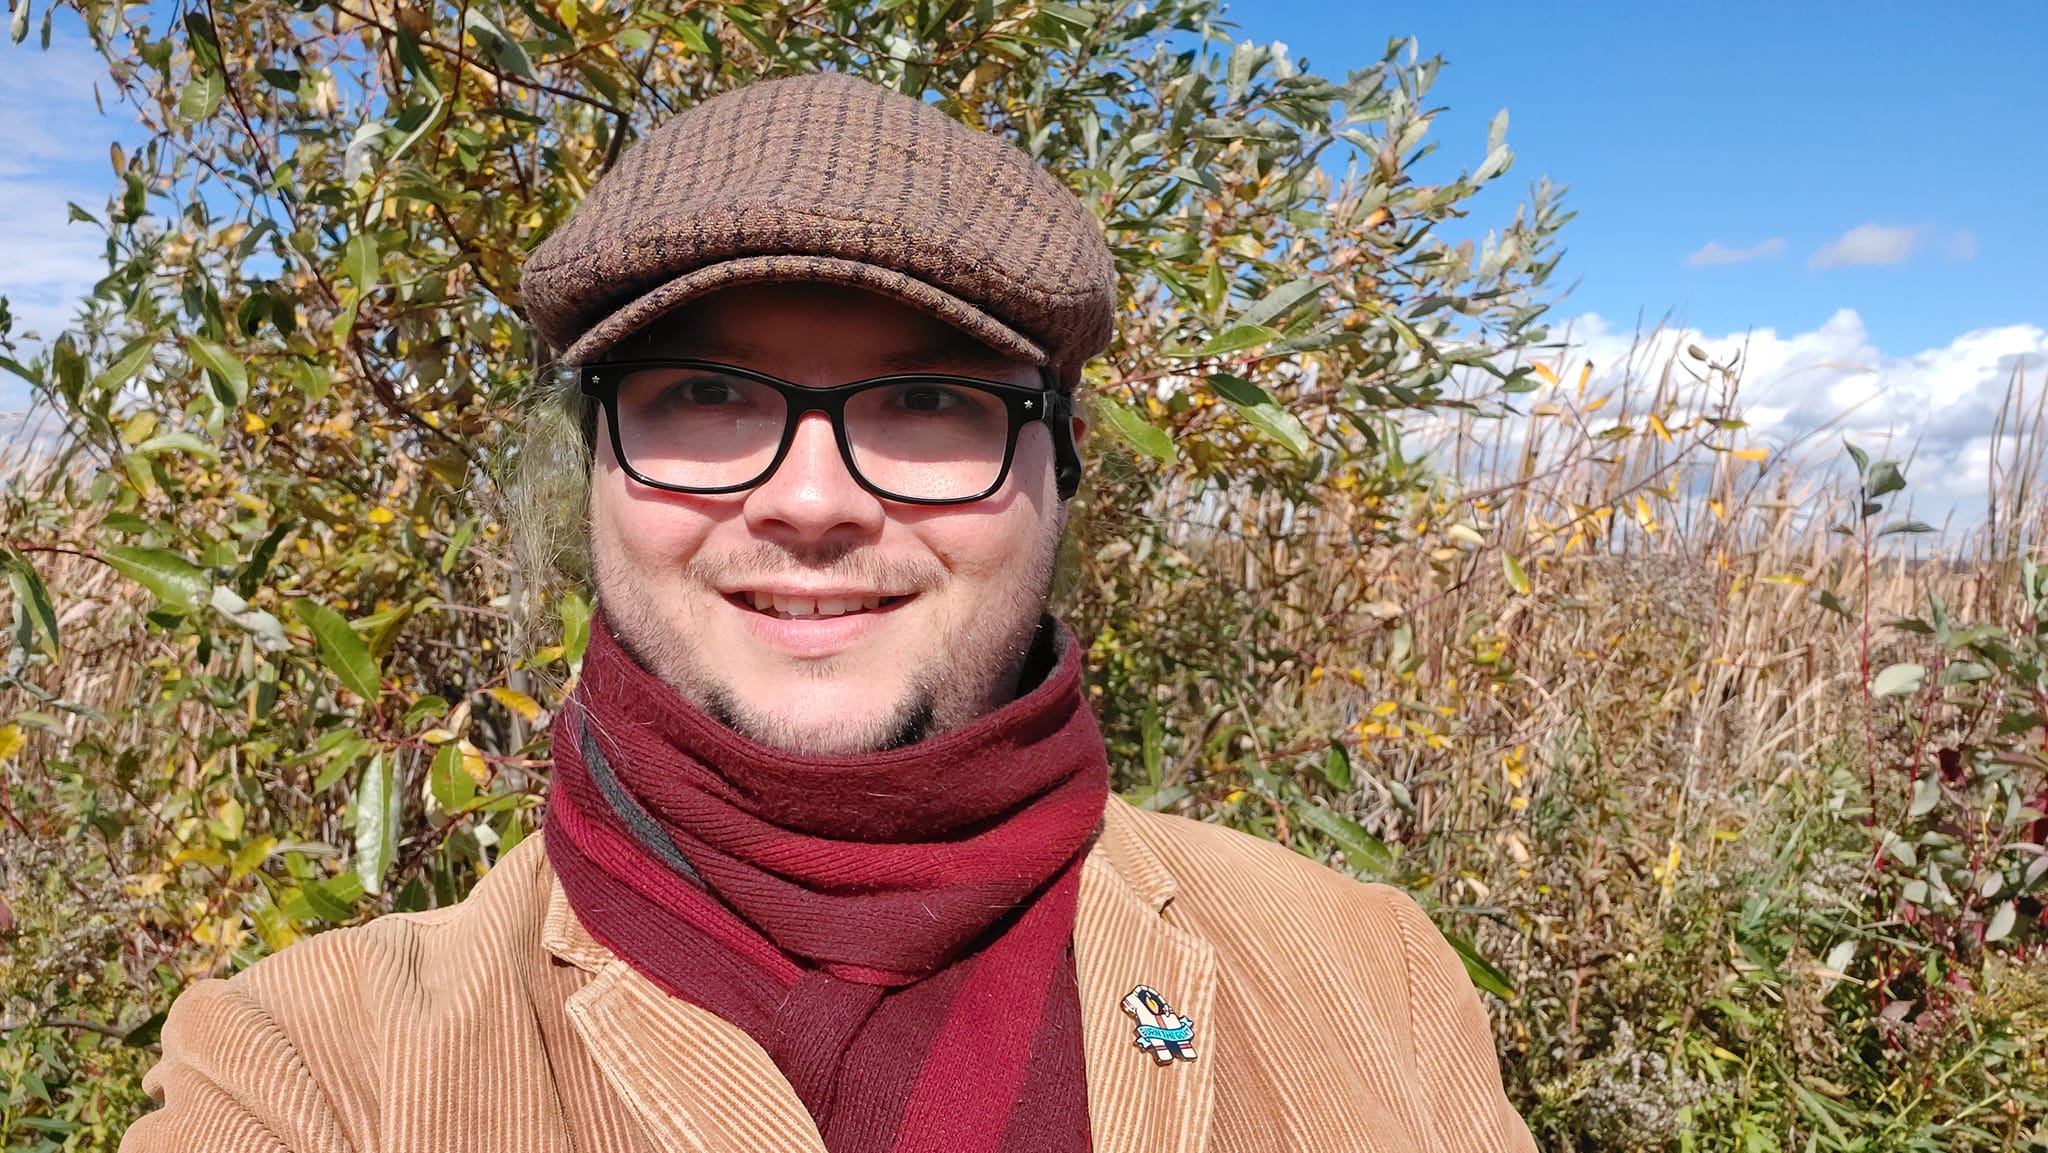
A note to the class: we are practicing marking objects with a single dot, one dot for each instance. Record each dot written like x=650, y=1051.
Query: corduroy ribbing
x=1329, y=1015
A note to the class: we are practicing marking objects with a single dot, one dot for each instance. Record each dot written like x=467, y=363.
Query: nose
x=811, y=498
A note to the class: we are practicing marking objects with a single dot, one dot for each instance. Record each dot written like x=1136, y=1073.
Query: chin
x=840, y=715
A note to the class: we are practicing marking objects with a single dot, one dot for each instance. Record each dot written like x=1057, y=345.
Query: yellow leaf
x=11, y=741
x=1657, y=426
x=1644, y=516
x=1585, y=374
x=1599, y=402
x=253, y=423
x=1465, y=533
x=1720, y=513
x=382, y=515
x=527, y=708
x=1752, y=453
x=473, y=762
x=1544, y=371
x=1783, y=578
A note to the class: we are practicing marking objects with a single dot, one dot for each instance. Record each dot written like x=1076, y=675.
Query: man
x=830, y=858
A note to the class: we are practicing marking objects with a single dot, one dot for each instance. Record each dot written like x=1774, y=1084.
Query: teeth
x=810, y=608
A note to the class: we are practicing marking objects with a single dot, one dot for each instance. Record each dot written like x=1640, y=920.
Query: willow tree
x=293, y=403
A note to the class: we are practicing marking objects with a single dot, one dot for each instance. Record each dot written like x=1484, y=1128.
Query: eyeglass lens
x=696, y=427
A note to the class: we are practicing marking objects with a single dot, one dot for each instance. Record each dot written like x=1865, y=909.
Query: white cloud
x=1937, y=406
x=1717, y=253
x=1867, y=244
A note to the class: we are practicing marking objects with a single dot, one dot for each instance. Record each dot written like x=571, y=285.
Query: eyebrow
x=938, y=351
x=948, y=348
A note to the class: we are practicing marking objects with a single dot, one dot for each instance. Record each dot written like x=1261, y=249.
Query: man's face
x=961, y=588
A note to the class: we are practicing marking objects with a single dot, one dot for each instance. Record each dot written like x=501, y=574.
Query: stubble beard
x=975, y=671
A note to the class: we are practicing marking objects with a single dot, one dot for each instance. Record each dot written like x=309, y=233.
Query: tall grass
x=1611, y=691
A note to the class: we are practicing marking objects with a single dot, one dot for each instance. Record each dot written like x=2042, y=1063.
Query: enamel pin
x=1161, y=1032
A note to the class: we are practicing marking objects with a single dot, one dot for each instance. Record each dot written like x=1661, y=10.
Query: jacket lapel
x=1135, y=1104
x=697, y=1083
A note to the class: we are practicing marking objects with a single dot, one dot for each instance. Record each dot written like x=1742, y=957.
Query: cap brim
x=791, y=268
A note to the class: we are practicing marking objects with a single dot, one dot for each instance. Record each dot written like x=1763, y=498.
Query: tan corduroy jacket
x=1328, y=1015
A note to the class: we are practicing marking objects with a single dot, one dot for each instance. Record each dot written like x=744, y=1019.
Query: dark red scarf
x=896, y=930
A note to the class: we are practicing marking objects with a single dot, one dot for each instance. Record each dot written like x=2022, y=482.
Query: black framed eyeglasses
x=701, y=427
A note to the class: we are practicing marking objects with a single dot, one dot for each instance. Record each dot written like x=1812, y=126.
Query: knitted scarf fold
x=894, y=929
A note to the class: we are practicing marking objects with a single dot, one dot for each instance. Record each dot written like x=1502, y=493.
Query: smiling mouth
x=795, y=608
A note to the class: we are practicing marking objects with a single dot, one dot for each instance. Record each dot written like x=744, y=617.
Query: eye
x=708, y=392
x=927, y=398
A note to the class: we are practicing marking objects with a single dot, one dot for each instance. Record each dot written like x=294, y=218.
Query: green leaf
x=1260, y=410
x=1134, y=430
x=452, y=785
x=127, y=364
x=147, y=1030
x=34, y=599
x=1926, y=795
x=1900, y=680
x=2002, y=922
x=1363, y=851
x=498, y=45
x=1337, y=766
x=266, y=630
x=1278, y=303
x=185, y=442
x=176, y=581
x=342, y=757
x=575, y=613
x=231, y=380
x=359, y=263
x=1517, y=579
x=376, y=818
x=202, y=94
x=341, y=650
x=17, y=28
x=1230, y=340
x=1884, y=478
x=1964, y=673
x=1483, y=972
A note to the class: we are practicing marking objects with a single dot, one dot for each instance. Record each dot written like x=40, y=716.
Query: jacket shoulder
x=1365, y=953
x=285, y=1054
x=1211, y=864
x=416, y=958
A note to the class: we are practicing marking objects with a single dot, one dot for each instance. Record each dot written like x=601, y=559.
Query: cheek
x=1000, y=542
x=645, y=531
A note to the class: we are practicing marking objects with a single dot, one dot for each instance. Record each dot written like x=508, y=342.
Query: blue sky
x=1849, y=192
x=1772, y=129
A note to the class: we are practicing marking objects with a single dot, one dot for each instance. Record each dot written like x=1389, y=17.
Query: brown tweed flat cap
x=829, y=178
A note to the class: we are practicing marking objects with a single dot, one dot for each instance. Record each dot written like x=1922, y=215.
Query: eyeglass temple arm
x=1066, y=469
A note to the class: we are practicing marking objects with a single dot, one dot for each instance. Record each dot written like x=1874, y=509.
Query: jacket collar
x=661, y=1054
